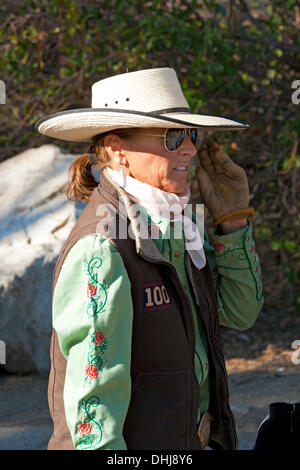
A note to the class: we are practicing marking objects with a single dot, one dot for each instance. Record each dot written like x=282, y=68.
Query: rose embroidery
x=98, y=337
x=91, y=371
x=217, y=246
x=97, y=302
x=84, y=429
x=90, y=429
x=91, y=290
x=95, y=360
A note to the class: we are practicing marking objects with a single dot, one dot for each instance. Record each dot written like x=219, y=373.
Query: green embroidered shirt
x=93, y=312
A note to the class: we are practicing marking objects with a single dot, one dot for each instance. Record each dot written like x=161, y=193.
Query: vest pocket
x=158, y=412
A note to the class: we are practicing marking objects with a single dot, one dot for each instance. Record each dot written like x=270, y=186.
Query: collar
x=164, y=204
x=155, y=200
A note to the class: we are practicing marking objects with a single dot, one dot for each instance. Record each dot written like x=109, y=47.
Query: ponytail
x=81, y=180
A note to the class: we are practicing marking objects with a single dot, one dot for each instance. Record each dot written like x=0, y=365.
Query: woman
x=136, y=353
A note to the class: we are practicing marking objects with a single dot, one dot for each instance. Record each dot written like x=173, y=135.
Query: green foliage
x=235, y=59
x=294, y=280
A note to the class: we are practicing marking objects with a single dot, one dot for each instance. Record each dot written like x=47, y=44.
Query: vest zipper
x=226, y=376
x=192, y=323
x=216, y=352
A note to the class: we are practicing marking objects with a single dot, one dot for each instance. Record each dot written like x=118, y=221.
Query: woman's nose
x=187, y=148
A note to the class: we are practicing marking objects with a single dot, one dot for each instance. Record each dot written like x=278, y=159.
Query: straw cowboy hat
x=145, y=98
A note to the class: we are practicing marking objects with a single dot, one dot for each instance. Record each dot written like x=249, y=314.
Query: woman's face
x=147, y=159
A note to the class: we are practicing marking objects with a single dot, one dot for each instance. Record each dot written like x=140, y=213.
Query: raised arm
x=231, y=252
x=236, y=271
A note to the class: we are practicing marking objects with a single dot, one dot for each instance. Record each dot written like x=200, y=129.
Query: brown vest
x=162, y=412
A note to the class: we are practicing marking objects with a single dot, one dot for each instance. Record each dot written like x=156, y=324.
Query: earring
x=123, y=176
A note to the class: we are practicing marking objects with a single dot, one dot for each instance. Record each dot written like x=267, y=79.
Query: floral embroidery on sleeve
x=95, y=359
x=96, y=291
x=91, y=290
x=224, y=249
x=217, y=246
x=254, y=263
x=90, y=430
x=245, y=252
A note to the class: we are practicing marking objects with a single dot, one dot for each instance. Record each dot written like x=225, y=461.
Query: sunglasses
x=173, y=138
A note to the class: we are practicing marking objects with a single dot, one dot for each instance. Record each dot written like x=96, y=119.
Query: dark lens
x=174, y=138
x=193, y=135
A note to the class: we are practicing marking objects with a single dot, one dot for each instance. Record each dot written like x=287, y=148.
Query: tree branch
x=268, y=40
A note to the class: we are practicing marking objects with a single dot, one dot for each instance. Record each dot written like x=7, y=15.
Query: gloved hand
x=222, y=183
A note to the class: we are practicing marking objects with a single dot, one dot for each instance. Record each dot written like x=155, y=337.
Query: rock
x=36, y=218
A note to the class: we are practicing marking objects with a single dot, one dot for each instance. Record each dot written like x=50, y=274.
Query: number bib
x=156, y=296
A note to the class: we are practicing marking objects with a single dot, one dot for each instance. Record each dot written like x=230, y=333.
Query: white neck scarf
x=166, y=205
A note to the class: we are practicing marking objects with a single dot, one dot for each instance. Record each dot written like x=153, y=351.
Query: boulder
x=35, y=220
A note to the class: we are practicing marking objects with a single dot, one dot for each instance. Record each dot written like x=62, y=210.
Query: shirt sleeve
x=236, y=272
x=92, y=315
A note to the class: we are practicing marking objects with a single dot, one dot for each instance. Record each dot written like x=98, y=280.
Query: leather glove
x=222, y=183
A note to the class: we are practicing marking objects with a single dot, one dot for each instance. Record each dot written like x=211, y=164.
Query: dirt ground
x=267, y=346
x=260, y=371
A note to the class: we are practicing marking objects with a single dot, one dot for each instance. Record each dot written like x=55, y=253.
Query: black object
x=281, y=429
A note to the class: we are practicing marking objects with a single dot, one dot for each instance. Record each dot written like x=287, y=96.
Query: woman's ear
x=112, y=144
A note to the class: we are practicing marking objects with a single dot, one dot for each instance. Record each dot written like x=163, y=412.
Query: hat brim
x=80, y=125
